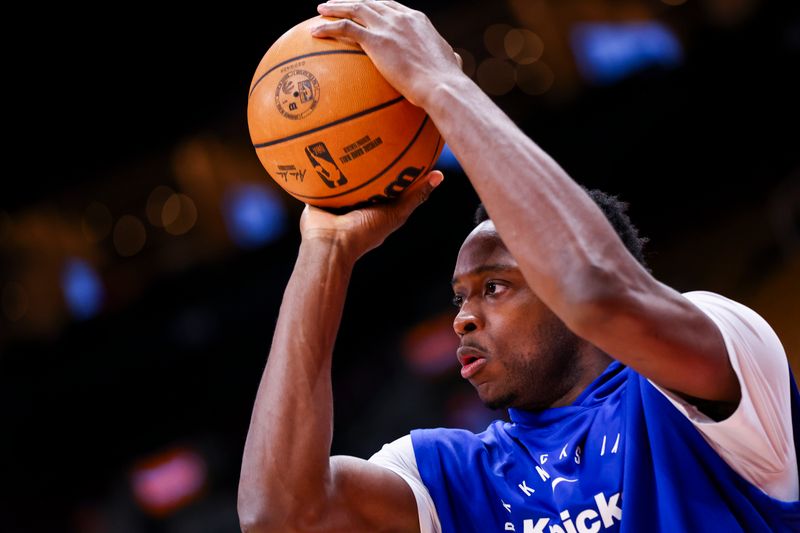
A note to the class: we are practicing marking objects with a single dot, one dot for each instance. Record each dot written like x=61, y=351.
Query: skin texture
x=288, y=480
x=533, y=360
x=572, y=294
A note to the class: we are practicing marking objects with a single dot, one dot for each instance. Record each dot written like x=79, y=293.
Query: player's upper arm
x=358, y=497
x=665, y=337
x=367, y=497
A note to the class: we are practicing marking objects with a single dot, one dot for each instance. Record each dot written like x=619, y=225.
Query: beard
x=538, y=378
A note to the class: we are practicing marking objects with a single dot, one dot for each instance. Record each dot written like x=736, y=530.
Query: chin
x=499, y=401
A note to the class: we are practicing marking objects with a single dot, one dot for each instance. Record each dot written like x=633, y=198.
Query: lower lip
x=467, y=371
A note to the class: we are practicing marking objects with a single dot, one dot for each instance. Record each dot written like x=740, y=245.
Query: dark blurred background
x=144, y=250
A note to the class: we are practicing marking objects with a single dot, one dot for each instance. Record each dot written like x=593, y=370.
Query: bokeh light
x=495, y=76
x=83, y=290
x=430, y=347
x=608, y=52
x=155, y=204
x=129, y=236
x=166, y=482
x=494, y=39
x=123, y=341
x=253, y=215
x=179, y=214
x=523, y=46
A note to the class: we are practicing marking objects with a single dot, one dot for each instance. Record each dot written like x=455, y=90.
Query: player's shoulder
x=741, y=326
x=718, y=305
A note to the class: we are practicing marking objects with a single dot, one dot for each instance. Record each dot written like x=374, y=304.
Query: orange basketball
x=329, y=129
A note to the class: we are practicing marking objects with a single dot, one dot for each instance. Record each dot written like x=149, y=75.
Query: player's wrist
x=332, y=243
x=442, y=93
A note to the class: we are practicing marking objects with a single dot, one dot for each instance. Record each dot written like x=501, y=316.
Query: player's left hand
x=361, y=230
x=401, y=42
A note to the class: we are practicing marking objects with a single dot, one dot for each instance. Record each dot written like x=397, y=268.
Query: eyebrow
x=486, y=268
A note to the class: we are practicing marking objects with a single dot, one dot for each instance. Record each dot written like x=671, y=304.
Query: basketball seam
x=326, y=52
x=381, y=173
x=427, y=169
x=436, y=149
x=330, y=124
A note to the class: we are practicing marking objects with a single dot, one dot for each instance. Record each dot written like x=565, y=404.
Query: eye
x=493, y=288
x=457, y=300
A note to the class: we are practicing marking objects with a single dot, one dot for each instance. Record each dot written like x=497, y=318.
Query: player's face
x=514, y=350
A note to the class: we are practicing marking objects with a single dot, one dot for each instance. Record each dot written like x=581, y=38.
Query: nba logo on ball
x=320, y=158
x=324, y=121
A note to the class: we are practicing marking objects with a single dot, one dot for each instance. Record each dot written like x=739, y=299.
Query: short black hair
x=615, y=211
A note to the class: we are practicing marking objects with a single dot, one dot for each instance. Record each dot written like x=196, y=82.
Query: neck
x=592, y=363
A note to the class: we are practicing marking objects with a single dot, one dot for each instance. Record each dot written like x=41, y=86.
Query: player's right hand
x=401, y=42
x=361, y=230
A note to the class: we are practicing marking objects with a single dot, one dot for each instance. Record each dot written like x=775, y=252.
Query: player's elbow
x=265, y=523
x=248, y=525
x=262, y=513
x=256, y=517
x=251, y=522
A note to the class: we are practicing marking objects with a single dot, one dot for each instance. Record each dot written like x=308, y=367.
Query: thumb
x=419, y=191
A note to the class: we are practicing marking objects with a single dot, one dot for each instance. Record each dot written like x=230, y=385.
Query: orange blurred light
x=129, y=236
x=430, y=346
x=494, y=39
x=179, y=214
x=523, y=46
x=155, y=204
x=495, y=76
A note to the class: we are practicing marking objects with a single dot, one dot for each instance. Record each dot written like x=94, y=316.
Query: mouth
x=472, y=361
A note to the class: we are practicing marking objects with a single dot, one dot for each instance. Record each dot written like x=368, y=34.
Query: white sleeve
x=757, y=440
x=398, y=456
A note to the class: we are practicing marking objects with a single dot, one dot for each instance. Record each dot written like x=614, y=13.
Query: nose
x=467, y=320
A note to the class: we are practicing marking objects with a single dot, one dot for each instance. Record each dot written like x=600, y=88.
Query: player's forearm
x=563, y=243
x=286, y=457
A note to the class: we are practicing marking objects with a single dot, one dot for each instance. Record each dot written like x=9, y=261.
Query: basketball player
x=633, y=407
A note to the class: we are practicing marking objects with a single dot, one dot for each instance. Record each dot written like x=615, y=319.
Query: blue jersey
x=620, y=458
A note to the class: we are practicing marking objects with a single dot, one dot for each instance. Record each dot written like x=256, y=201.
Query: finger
x=380, y=6
x=360, y=12
x=460, y=60
x=376, y=4
x=395, y=5
x=419, y=191
x=343, y=28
